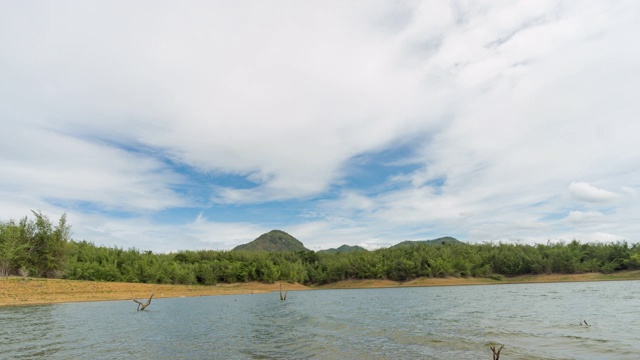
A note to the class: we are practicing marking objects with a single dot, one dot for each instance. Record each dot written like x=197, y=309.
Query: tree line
x=39, y=248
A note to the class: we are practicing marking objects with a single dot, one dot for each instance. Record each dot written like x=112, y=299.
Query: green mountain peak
x=274, y=240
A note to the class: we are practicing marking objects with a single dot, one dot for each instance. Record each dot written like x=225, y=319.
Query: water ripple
x=535, y=321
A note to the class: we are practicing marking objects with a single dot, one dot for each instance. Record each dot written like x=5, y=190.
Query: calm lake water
x=534, y=321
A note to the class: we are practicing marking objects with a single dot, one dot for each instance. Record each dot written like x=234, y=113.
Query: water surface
x=534, y=321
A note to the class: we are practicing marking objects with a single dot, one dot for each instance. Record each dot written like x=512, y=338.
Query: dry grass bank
x=453, y=281
x=18, y=291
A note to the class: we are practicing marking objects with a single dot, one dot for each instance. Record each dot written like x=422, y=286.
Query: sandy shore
x=453, y=281
x=31, y=291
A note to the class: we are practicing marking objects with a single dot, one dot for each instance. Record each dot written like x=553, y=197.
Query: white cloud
x=249, y=91
x=99, y=101
x=584, y=192
x=53, y=167
x=582, y=217
x=602, y=237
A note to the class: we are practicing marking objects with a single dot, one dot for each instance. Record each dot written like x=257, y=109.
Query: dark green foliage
x=274, y=240
x=87, y=261
x=39, y=248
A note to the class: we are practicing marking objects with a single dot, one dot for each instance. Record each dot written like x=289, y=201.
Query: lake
x=533, y=321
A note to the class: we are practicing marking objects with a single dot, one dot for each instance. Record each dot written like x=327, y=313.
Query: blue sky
x=201, y=125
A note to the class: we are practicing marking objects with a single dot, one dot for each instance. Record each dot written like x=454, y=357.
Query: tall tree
x=48, y=246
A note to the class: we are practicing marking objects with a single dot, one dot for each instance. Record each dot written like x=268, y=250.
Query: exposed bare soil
x=454, y=281
x=30, y=291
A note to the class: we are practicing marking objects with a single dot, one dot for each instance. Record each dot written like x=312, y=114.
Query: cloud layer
x=203, y=125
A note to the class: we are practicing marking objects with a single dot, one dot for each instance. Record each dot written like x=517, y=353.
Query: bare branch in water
x=283, y=296
x=142, y=306
x=496, y=353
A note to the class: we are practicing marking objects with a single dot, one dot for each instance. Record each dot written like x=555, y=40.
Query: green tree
x=12, y=249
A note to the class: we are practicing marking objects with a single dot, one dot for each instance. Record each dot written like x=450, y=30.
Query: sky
x=192, y=125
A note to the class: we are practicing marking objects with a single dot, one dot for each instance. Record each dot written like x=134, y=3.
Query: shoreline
x=456, y=281
x=17, y=291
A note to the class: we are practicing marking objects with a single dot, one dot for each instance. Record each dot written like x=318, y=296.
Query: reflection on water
x=534, y=321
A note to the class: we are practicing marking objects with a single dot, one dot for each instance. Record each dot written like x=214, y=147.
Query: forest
x=38, y=247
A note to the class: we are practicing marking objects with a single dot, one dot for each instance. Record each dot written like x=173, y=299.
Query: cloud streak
x=363, y=123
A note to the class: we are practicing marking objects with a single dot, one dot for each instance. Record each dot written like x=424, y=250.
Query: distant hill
x=343, y=248
x=274, y=240
x=438, y=241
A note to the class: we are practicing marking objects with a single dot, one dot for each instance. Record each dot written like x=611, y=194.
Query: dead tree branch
x=496, y=354
x=142, y=306
x=283, y=296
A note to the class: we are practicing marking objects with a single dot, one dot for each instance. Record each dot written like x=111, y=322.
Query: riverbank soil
x=455, y=281
x=32, y=291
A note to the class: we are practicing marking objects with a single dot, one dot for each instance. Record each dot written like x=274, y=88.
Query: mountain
x=274, y=240
x=438, y=241
x=343, y=248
